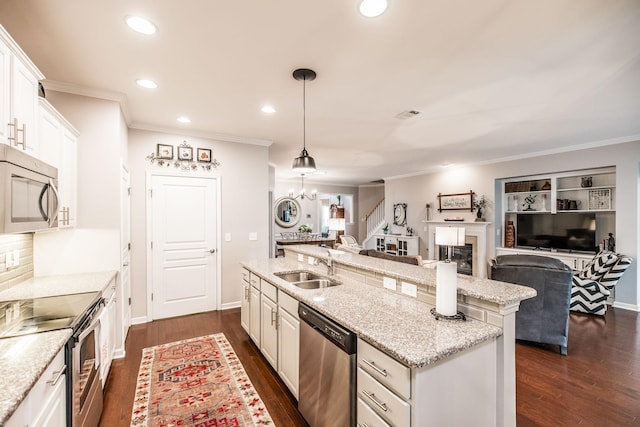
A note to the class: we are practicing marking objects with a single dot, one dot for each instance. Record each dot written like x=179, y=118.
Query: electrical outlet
x=8, y=259
x=389, y=283
x=16, y=257
x=409, y=289
x=311, y=260
x=300, y=258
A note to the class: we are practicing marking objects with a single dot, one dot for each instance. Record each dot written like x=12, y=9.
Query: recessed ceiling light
x=373, y=8
x=268, y=109
x=149, y=84
x=184, y=119
x=141, y=25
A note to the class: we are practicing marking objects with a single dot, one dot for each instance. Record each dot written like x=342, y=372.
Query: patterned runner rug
x=197, y=382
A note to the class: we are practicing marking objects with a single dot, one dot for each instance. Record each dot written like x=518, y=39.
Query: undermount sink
x=298, y=276
x=306, y=280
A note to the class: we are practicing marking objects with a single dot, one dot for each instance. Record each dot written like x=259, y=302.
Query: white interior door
x=184, y=236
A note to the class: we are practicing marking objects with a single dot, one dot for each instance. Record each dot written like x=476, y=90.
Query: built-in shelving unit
x=588, y=191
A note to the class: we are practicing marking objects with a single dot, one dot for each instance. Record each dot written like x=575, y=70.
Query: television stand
x=575, y=261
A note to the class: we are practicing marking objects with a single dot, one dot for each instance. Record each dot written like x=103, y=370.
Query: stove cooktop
x=28, y=316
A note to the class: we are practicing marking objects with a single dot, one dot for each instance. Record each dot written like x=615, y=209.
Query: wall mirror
x=287, y=212
x=400, y=214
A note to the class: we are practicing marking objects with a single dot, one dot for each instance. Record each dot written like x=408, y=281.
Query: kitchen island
x=402, y=327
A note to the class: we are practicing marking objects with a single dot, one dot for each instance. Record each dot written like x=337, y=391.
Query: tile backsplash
x=10, y=246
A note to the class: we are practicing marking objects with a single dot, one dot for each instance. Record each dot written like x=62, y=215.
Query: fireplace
x=471, y=258
x=461, y=255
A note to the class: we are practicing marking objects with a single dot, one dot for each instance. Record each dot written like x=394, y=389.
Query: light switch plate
x=311, y=260
x=300, y=258
x=409, y=289
x=227, y=237
x=253, y=236
x=389, y=283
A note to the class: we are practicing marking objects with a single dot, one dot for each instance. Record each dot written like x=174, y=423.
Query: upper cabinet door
x=5, y=91
x=25, y=107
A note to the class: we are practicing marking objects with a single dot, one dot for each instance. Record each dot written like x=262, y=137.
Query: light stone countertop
x=484, y=289
x=23, y=359
x=401, y=326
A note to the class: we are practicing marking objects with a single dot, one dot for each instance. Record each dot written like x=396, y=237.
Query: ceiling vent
x=407, y=114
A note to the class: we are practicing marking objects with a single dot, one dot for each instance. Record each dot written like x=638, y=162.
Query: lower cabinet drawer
x=367, y=417
x=383, y=401
x=385, y=369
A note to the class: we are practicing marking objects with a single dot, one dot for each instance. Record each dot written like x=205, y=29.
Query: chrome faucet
x=328, y=263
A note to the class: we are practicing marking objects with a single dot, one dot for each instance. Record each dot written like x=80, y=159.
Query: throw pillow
x=599, y=265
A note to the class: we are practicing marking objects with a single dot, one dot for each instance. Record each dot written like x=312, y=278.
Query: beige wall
x=244, y=181
x=419, y=190
x=368, y=197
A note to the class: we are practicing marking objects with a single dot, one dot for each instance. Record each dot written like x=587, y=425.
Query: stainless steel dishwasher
x=327, y=395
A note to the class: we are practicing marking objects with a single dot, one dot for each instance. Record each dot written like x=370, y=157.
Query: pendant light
x=304, y=163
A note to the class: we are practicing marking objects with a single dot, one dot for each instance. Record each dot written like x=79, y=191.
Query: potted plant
x=304, y=228
x=479, y=204
x=385, y=229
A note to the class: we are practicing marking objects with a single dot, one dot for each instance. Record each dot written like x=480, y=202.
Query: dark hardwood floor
x=596, y=384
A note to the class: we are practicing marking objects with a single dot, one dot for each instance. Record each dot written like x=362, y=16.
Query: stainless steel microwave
x=28, y=192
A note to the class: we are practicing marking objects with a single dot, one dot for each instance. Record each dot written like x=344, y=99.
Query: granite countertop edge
x=23, y=359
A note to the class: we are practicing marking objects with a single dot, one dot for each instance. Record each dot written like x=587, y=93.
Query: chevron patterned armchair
x=592, y=286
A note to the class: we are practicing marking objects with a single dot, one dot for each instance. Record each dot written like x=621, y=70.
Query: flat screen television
x=567, y=231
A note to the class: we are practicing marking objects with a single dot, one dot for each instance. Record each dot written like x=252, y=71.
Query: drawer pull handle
x=59, y=374
x=373, y=366
x=373, y=398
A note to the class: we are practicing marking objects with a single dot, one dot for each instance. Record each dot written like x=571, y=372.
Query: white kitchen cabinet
x=45, y=405
x=269, y=323
x=58, y=147
x=19, y=79
x=288, y=341
x=245, y=310
x=254, y=316
x=392, y=393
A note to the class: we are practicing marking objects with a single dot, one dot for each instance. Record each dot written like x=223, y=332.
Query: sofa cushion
x=611, y=277
x=599, y=265
x=415, y=260
x=530, y=261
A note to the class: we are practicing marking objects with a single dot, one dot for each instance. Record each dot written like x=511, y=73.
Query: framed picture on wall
x=456, y=202
x=164, y=151
x=204, y=155
x=185, y=153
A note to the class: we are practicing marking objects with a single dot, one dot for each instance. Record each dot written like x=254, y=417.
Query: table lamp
x=447, y=271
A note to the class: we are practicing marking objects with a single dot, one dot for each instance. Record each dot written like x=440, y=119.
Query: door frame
x=149, y=232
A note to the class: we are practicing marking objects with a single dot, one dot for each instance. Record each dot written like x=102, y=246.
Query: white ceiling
x=491, y=78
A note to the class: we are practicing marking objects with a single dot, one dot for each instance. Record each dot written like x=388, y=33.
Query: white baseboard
x=625, y=306
x=230, y=305
x=139, y=320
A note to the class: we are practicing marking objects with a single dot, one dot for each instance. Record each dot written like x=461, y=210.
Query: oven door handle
x=88, y=324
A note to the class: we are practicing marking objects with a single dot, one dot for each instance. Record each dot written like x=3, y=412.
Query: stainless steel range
x=79, y=312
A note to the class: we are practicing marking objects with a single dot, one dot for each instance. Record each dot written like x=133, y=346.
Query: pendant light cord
x=304, y=113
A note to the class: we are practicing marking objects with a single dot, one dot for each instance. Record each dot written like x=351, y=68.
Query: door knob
x=211, y=251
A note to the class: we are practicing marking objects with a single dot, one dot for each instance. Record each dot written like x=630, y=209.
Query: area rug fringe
x=198, y=382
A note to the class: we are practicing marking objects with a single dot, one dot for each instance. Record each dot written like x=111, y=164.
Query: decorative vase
x=510, y=235
x=479, y=215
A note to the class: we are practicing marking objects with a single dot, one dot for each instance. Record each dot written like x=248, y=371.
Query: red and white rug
x=197, y=382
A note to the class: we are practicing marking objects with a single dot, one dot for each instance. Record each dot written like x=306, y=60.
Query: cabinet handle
x=373, y=366
x=373, y=398
x=575, y=264
x=59, y=374
x=24, y=136
x=272, y=317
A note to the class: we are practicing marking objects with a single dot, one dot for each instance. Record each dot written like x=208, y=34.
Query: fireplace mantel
x=471, y=229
